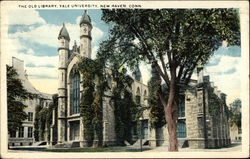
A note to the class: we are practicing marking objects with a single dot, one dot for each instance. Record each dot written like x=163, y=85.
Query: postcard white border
x=244, y=19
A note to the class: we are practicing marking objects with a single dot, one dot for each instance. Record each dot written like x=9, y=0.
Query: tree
x=16, y=94
x=156, y=109
x=235, y=113
x=175, y=41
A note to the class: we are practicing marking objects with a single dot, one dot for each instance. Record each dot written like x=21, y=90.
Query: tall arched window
x=138, y=96
x=76, y=93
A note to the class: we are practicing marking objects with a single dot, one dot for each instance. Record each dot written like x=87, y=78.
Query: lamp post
x=141, y=118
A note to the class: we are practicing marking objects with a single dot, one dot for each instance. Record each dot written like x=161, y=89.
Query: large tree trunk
x=171, y=115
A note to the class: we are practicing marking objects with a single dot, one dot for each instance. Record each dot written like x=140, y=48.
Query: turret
x=137, y=74
x=200, y=73
x=63, y=51
x=85, y=35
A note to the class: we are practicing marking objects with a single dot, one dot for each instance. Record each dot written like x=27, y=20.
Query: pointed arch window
x=75, y=94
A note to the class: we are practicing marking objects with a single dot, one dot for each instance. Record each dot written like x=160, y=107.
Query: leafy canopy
x=235, y=112
x=177, y=38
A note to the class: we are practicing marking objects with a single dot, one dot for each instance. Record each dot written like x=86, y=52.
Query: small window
x=21, y=132
x=181, y=129
x=181, y=107
x=30, y=132
x=30, y=116
x=13, y=134
x=239, y=130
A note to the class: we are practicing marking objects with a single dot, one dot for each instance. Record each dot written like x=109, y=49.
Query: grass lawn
x=89, y=149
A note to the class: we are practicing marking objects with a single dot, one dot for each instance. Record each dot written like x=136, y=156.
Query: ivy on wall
x=86, y=68
x=43, y=120
x=156, y=114
x=125, y=109
x=94, y=85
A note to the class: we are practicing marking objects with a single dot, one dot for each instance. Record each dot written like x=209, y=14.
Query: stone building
x=197, y=128
x=25, y=135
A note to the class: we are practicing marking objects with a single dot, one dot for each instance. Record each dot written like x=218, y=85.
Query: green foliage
x=190, y=35
x=124, y=107
x=235, y=112
x=37, y=122
x=43, y=119
x=91, y=99
x=16, y=94
x=156, y=108
x=174, y=40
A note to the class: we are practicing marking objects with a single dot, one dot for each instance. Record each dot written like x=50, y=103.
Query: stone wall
x=205, y=130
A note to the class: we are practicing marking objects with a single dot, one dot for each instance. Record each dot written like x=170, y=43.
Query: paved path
x=233, y=147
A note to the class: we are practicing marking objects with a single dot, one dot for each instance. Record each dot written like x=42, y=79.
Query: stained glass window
x=76, y=94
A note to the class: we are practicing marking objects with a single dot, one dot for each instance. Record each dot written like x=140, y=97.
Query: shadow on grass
x=87, y=149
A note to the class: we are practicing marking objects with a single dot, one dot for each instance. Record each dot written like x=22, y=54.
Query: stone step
x=39, y=143
x=182, y=143
x=144, y=142
x=64, y=145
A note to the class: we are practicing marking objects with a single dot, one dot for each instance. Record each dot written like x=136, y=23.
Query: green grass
x=86, y=149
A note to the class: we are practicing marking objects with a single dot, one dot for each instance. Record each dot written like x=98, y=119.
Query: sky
x=32, y=35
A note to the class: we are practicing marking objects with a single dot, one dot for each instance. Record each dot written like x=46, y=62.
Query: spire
x=75, y=47
x=64, y=33
x=137, y=73
x=85, y=18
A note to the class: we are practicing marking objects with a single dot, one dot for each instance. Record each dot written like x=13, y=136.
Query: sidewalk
x=231, y=148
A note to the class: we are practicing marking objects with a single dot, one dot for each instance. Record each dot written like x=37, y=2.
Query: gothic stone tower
x=67, y=128
x=85, y=35
x=63, y=51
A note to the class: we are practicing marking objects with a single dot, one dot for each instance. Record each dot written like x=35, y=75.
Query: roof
x=64, y=33
x=85, y=18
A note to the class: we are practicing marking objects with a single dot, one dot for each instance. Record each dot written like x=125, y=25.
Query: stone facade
x=196, y=126
x=205, y=130
x=25, y=135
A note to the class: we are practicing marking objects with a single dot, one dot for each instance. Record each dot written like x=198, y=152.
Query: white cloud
x=24, y=17
x=47, y=34
x=78, y=19
x=228, y=83
x=226, y=63
x=145, y=71
x=42, y=72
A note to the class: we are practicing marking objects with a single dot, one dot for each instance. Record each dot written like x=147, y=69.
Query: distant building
x=197, y=127
x=25, y=135
x=235, y=133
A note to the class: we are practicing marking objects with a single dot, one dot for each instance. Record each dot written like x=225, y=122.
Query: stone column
x=68, y=131
x=152, y=136
x=195, y=117
x=40, y=138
